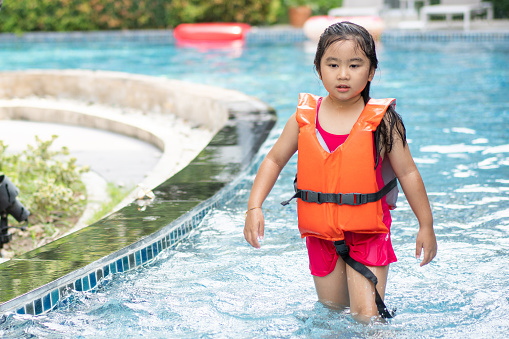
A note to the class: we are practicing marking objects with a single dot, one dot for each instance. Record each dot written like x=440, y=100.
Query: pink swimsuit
x=368, y=249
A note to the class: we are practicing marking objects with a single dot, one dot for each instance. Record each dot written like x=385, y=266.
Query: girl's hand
x=254, y=227
x=270, y=168
x=426, y=241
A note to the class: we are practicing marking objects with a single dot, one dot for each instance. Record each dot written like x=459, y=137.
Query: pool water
x=453, y=99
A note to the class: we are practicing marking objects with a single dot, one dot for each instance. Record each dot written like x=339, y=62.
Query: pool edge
x=245, y=115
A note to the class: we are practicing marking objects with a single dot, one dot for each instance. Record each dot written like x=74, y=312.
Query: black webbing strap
x=342, y=198
x=342, y=250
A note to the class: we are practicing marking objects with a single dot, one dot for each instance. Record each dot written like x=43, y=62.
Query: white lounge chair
x=359, y=8
x=453, y=7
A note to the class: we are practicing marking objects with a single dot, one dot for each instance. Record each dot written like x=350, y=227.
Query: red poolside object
x=210, y=32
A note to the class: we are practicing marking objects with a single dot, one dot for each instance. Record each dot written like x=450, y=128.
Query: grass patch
x=116, y=194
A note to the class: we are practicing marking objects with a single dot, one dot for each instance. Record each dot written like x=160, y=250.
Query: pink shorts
x=368, y=249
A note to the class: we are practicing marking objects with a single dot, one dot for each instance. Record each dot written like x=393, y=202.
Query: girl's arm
x=413, y=187
x=265, y=179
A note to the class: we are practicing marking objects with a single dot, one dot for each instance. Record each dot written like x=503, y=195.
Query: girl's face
x=345, y=70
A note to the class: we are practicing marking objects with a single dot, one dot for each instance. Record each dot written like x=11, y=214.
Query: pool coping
x=180, y=205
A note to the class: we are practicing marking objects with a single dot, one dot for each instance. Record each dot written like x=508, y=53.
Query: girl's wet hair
x=343, y=31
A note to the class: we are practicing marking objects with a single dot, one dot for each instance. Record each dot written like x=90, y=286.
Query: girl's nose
x=342, y=73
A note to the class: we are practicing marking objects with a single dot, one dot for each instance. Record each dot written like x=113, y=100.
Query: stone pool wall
x=38, y=281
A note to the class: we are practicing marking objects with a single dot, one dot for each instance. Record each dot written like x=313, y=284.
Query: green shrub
x=500, y=8
x=250, y=11
x=78, y=15
x=49, y=182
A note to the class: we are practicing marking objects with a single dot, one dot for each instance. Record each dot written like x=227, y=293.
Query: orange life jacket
x=348, y=169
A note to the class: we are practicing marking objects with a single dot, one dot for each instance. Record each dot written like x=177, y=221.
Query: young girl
x=346, y=145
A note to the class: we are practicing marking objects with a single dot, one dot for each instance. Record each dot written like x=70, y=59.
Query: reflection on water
x=453, y=99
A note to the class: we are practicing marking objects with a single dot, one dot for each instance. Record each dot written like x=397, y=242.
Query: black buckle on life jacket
x=312, y=196
x=350, y=199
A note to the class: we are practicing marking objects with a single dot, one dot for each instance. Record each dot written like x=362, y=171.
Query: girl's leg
x=362, y=292
x=332, y=289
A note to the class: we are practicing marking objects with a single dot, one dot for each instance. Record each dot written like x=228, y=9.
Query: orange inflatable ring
x=210, y=32
x=315, y=25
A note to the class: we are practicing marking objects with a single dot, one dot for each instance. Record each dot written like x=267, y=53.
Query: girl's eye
x=354, y=66
x=333, y=65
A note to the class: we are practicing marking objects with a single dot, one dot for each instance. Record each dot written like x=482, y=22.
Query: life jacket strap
x=342, y=250
x=353, y=199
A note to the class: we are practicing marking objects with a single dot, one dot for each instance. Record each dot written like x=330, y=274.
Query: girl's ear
x=371, y=74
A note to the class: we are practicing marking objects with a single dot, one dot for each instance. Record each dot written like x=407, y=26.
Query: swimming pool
x=452, y=97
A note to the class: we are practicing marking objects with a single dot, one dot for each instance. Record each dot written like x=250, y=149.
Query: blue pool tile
x=106, y=270
x=149, y=253
x=154, y=249
x=144, y=256
x=163, y=243
x=46, y=302
x=78, y=286
x=55, y=297
x=93, y=280
x=125, y=263
x=159, y=246
x=99, y=274
x=120, y=268
x=21, y=310
x=38, y=306
x=113, y=268
x=29, y=308
x=137, y=255
x=86, y=284
x=132, y=262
